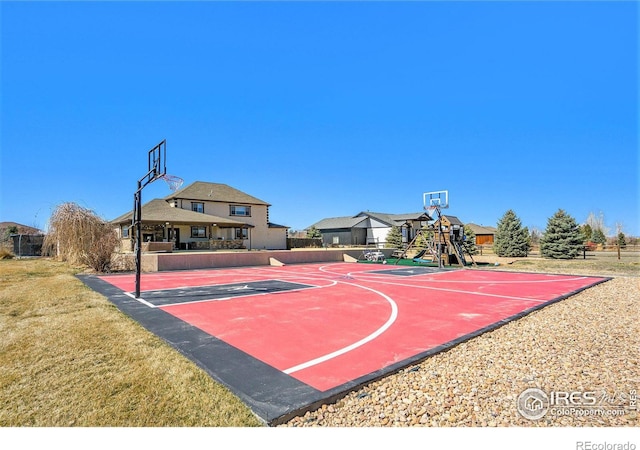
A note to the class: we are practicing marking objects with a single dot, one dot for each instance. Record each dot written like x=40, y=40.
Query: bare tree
x=78, y=236
x=597, y=223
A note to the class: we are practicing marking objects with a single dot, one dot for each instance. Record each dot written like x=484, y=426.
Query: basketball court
x=288, y=339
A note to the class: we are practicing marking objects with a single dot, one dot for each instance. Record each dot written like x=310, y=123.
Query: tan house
x=205, y=216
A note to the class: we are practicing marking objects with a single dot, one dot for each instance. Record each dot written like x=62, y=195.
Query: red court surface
x=327, y=325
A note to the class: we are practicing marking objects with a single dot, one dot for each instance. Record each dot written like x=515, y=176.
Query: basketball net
x=173, y=181
x=434, y=207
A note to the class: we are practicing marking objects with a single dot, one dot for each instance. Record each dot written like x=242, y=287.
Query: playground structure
x=440, y=242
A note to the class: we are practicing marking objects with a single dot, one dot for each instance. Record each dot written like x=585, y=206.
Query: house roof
x=411, y=216
x=161, y=211
x=214, y=192
x=479, y=229
x=395, y=219
x=453, y=220
x=380, y=217
x=333, y=223
x=22, y=229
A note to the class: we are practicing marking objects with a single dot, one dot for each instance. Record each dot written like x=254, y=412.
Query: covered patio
x=167, y=228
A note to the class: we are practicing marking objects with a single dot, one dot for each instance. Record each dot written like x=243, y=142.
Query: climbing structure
x=443, y=240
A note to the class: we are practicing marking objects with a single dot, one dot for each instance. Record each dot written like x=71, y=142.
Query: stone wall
x=226, y=244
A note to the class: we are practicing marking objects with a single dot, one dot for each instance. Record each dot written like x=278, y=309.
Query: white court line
x=511, y=281
x=508, y=297
x=368, y=274
x=392, y=318
x=141, y=300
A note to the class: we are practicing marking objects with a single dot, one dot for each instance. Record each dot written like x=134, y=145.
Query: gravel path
x=588, y=342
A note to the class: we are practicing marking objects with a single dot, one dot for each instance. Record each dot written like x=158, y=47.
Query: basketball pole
x=137, y=221
x=157, y=169
x=138, y=224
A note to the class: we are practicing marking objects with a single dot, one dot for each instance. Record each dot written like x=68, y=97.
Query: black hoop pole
x=138, y=221
x=157, y=169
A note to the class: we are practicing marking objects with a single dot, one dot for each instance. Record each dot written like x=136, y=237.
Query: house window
x=198, y=232
x=237, y=210
x=197, y=207
x=242, y=233
x=125, y=232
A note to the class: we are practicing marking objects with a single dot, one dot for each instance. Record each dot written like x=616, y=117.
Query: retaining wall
x=155, y=262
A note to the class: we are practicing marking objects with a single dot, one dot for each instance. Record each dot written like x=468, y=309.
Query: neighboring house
x=7, y=228
x=21, y=240
x=367, y=228
x=484, y=235
x=206, y=216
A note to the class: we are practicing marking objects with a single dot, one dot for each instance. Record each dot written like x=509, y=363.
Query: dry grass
x=68, y=357
x=596, y=263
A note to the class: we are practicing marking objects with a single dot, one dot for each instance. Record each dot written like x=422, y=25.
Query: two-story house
x=206, y=216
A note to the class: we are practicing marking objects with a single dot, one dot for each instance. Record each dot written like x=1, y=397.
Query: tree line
x=563, y=238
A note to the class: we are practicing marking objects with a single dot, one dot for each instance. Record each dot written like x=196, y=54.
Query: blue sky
x=325, y=109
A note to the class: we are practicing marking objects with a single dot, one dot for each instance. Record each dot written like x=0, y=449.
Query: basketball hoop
x=173, y=181
x=435, y=200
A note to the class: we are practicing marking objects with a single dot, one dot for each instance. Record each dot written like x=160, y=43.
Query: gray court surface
x=218, y=292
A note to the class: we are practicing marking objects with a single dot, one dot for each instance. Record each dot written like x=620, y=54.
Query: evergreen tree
x=562, y=239
x=469, y=243
x=587, y=232
x=313, y=233
x=425, y=235
x=598, y=237
x=511, y=238
x=622, y=240
x=394, y=238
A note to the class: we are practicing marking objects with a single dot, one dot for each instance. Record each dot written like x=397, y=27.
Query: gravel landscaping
x=587, y=343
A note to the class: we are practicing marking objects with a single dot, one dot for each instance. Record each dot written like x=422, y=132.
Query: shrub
x=6, y=254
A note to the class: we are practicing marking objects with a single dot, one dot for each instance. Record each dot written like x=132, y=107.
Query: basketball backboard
x=436, y=199
x=157, y=163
